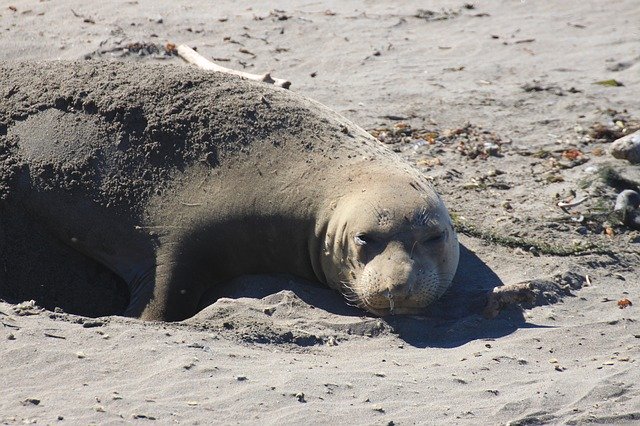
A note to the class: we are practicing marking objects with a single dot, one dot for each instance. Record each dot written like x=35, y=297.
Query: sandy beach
x=509, y=107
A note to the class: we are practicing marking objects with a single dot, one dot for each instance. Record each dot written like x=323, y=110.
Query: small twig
x=84, y=18
x=193, y=57
x=569, y=204
x=54, y=336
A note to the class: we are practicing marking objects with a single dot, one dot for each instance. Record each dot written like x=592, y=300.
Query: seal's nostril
x=400, y=289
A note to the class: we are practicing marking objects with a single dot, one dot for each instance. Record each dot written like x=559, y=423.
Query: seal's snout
x=400, y=281
x=397, y=283
x=391, y=283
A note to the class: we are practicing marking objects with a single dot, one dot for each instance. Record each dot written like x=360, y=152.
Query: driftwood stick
x=568, y=204
x=193, y=57
x=510, y=294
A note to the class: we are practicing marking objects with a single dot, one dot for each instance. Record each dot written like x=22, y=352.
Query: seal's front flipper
x=178, y=285
x=141, y=287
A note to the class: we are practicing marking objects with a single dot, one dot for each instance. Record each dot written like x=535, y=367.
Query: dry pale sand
x=496, y=101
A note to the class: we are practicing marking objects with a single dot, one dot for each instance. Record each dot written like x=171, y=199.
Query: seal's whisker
x=366, y=304
x=349, y=292
x=353, y=298
x=350, y=296
x=346, y=283
x=412, y=248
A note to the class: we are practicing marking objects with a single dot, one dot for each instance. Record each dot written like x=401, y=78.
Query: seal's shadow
x=35, y=265
x=456, y=318
x=452, y=321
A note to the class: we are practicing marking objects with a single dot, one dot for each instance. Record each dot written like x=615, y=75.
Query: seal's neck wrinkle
x=316, y=242
x=330, y=243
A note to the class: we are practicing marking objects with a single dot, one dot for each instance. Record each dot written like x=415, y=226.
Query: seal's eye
x=362, y=239
x=435, y=238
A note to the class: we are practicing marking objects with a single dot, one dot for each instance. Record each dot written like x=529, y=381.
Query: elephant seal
x=179, y=180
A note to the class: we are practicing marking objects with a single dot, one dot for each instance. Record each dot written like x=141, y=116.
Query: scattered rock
x=28, y=307
x=537, y=86
x=619, y=66
x=605, y=133
x=627, y=148
x=551, y=290
x=139, y=49
x=469, y=140
x=189, y=366
x=624, y=303
x=627, y=199
x=430, y=15
x=143, y=416
x=627, y=205
x=92, y=323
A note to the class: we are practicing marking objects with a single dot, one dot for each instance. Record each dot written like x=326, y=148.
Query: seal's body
x=178, y=180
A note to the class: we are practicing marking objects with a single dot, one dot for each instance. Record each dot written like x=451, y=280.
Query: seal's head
x=390, y=247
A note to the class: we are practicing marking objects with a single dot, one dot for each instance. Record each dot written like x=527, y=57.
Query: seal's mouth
x=401, y=299
x=387, y=304
x=404, y=311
